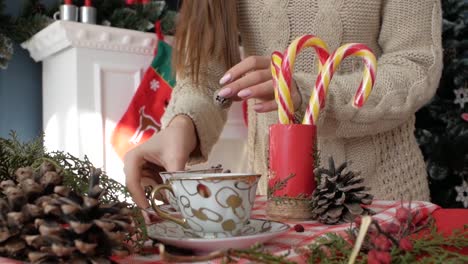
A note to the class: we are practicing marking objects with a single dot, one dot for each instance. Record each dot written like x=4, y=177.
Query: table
x=385, y=211
x=446, y=221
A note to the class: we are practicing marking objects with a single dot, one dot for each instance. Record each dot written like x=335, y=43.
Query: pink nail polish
x=226, y=78
x=244, y=93
x=225, y=92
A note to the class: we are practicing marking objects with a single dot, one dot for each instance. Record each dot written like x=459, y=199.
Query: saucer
x=256, y=231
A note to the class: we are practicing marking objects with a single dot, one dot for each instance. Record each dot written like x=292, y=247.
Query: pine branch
x=280, y=184
x=26, y=27
x=14, y=154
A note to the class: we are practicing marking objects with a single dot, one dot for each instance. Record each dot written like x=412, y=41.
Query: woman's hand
x=251, y=78
x=170, y=149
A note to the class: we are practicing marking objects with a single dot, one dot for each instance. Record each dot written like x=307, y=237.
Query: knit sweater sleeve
x=198, y=104
x=408, y=73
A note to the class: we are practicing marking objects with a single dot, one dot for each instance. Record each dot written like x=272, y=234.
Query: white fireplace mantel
x=90, y=74
x=63, y=34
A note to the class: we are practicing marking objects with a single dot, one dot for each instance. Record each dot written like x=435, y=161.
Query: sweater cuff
x=208, y=119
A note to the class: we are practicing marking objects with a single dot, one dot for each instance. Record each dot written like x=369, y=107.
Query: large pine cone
x=46, y=222
x=340, y=195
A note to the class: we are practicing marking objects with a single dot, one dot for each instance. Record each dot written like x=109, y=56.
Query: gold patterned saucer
x=256, y=231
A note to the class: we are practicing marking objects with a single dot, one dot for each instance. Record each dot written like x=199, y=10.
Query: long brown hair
x=206, y=29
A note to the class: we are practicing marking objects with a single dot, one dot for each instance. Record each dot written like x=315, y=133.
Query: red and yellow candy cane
x=284, y=115
x=322, y=83
x=284, y=75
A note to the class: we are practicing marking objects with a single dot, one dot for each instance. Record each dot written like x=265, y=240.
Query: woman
x=378, y=139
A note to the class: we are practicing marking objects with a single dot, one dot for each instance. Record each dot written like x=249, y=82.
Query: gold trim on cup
x=213, y=176
x=164, y=215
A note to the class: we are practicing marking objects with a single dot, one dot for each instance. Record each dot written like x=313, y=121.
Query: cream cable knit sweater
x=406, y=37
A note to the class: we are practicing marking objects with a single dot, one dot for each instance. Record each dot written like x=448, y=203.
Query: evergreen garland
x=35, y=16
x=15, y=154
x=440, y=129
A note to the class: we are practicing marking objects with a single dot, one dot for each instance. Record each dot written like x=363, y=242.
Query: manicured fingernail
x=257, y=107
x=226, y=78
x=244, y=93
x=225, y=92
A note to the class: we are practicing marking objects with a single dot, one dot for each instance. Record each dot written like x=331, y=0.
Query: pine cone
x=46, y=222
x=340, y=195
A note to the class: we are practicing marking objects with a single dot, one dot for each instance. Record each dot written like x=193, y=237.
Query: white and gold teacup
x=210, y=204
x=166, y=175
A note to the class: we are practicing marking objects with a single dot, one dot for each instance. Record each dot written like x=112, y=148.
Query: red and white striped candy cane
x=322, y=83
x=284, y=115
x=284, y=75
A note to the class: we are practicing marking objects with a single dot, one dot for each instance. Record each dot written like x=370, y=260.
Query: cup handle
x=56, y=14
x=161, y=213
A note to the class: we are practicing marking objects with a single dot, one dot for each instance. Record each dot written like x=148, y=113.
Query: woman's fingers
x=133, y=165
x=262, y=91
x=252, y=71
x=249, y=81
x=266, y=106
x=247, y=65
x=252, y=79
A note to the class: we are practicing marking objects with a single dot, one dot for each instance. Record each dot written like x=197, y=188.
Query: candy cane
x=283, y=114
x=326, y=74
x=284, y=76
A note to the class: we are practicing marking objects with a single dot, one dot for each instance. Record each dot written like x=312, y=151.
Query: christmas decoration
x=46, y=221
x=32, y=19
x=15, y=154
x=381, y=246
x=411, y=239
x=6, y=51
x=68, y=12
x=88, y=13
x=464, y=116
x=143, y=115
x=461, y=96
x=300, y=140
x=291, y=180
x=340, y=195
x=441, y=130
x=35, y=16
x=462, y=194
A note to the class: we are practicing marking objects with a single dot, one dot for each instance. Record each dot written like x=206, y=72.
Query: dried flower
x=405, y=244
x=372, y=257
x=402, y=214
x=384, y=257
x=382, y=242
x=391, y=228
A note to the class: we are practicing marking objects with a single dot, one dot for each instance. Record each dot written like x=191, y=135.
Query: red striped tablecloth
x=385, y=213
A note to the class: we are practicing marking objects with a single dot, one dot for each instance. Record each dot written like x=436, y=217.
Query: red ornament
x=405, y=244
x=464, y=116
x=299, y=228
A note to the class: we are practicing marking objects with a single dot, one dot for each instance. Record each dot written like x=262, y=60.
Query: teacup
x=210, y=204
x=166, y=175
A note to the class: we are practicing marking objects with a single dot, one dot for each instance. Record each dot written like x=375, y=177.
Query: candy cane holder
x=293, y=151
